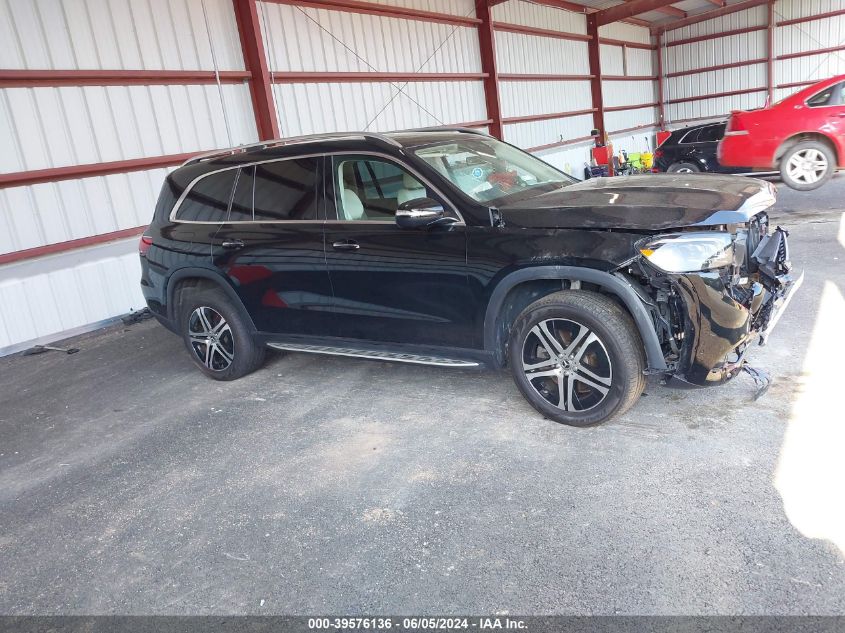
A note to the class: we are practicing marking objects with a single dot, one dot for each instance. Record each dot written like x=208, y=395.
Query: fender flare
x=217, y=279
x=611, y=283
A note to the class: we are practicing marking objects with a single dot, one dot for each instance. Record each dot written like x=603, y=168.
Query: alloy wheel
x=567, y=364
x=211, y=338
x=807, y=166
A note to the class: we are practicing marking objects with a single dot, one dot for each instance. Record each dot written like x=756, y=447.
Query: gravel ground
x=130, y=484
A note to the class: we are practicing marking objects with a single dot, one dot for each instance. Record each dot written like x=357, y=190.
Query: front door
x=271, y=246
x=406, y=286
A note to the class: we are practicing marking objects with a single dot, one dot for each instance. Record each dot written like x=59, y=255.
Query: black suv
x=451, y=248
x=692, y=150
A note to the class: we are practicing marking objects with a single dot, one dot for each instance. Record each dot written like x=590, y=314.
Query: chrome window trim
x=174, y=211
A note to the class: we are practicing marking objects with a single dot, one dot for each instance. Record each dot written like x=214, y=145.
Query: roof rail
x=448, y=128
x=281, y=142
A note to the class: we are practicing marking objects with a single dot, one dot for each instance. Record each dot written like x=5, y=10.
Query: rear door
x=393, y=284
x=271, y=246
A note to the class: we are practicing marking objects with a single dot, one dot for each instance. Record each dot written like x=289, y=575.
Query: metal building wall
x=52, y=127
x=552, y=114
x=304, y=41
x=707, y=74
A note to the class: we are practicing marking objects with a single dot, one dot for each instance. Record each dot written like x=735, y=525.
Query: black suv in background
x=691, y=150
x=454, y=249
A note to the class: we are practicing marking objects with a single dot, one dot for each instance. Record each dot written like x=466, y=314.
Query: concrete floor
x=131, y=484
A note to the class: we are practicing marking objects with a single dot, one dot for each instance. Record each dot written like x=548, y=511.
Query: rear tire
x=807, y=165
x=217, y=336
x=577, y=358
x=683, y=168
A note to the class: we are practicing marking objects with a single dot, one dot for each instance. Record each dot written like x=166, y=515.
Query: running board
x=399, y=357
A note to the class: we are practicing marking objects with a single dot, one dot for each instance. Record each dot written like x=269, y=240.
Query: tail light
x=144, y=245
x=736, y=127
x=658, y=153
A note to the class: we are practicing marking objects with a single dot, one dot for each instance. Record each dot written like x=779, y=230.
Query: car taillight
x=144, y=245
x=658, y=153
x=736, y=127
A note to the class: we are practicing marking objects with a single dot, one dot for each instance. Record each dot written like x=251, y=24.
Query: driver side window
x=369, y=188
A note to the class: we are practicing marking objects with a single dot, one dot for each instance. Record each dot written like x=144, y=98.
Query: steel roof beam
x=629, y=10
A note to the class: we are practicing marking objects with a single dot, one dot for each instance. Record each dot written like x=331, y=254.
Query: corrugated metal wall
x=750, y=46
x=46, y=127
x=526, y=54
x=299, y=39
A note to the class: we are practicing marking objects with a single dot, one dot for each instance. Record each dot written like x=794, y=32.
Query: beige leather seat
x=412, y=189
x=353, y=208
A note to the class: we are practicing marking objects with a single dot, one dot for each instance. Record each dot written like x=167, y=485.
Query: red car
x=803, y=136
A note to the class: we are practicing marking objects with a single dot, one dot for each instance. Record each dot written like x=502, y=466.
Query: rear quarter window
x=208, y=199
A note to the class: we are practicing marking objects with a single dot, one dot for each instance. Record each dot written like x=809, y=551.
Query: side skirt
x=438, y=357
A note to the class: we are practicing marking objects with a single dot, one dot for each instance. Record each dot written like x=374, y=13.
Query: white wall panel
x=465, y=8
x=625, y=119
x=642, y=62
x=56, y=127
x=302, y=39
x=40, y=298
x=625, y=32
x=118, y=34
x=792, y=9
x=523, y=98
x=718, y=107
x=612, y=60
x=537, y=133
x=377, y=106
x=619, y=93
x=518, y=53
x=569, y=159
x=726, y=80
x=54, y=212
x=539, y=16
x=723, y=50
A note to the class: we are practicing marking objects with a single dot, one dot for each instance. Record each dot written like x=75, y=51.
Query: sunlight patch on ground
x=811, y=470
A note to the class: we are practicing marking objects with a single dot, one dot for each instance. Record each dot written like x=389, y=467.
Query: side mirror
x=419, y=213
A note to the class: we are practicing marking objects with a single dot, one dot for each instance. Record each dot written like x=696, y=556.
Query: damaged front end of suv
x=715, y=288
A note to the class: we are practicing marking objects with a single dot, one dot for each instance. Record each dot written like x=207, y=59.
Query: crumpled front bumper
x=721, y=323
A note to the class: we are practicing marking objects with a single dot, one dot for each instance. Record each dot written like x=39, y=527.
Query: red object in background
x=662, y=137
x=144, y=245
x=753, y=139
x=602, y=154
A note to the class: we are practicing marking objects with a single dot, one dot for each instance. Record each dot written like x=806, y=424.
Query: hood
x=651, y=202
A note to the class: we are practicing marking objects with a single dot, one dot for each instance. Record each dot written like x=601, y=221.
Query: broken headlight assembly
x=689, y=252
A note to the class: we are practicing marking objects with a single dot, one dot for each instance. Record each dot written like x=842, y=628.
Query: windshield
x=488, y=170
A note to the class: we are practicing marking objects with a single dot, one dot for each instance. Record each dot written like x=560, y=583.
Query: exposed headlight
x=689, y=252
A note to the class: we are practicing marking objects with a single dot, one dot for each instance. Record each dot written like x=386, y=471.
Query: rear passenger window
x=243, y=198
x=711, y=134
x=286, y=190
x=208, y=199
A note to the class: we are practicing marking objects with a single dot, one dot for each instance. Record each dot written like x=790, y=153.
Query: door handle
x=346, y=245
x=233, y=245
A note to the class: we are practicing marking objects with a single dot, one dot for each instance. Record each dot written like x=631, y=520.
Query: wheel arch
x=783, y=148
x=186, y=277
x=499, y=313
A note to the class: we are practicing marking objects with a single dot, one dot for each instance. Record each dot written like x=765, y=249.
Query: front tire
x=807, y=165
x=218, y=338
x=577, y=358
